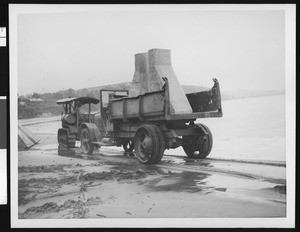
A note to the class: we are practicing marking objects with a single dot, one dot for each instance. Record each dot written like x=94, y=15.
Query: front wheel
x=86, y=143
x=65, y=138
x=198, y=146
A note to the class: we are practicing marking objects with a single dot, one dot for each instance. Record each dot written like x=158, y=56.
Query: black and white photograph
x=152, y=115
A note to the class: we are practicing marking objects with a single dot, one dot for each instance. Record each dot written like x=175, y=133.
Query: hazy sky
x=243, y=49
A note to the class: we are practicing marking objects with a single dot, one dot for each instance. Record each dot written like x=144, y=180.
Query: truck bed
x=156, y=106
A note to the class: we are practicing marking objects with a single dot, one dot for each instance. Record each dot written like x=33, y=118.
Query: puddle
x=183, y=181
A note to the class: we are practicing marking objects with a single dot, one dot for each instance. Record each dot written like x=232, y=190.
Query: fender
x=201, y=127
x=94, y=131
x=192, y=129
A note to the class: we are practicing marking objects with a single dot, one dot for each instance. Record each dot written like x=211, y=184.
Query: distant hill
x=120, y=86
x=29, y=109
x=193, y=88
x=243, y=93
x=127, y=86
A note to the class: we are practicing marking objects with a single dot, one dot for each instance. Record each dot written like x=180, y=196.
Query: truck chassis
x=143, y=123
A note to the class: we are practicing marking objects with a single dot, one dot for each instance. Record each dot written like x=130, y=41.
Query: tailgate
x=206, y=101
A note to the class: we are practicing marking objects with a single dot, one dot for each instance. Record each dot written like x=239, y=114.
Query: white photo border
x=290, y=93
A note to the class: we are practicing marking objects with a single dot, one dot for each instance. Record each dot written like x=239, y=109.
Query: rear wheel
x=161, y=147
x=198, y=146
x=147, y=144
x=86, y=143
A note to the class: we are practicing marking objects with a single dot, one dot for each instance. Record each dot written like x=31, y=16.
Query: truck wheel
x=198, y=146
x=161, y=146
x=86, y=142
x=147, y=145
x=65, y=139
x=128, y=146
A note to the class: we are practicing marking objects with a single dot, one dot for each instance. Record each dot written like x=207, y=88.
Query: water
x=252, y=128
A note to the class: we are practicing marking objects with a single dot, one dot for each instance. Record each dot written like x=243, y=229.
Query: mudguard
x=94, y=131
x=201, y=127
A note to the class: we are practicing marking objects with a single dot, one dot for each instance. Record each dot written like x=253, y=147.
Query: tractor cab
x=76, y=112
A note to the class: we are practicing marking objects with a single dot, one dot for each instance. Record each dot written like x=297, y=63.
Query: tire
x=86, y=143
x=148, y=147
x=198, y=146
x=65, y=139
x=161, y=147
x=71, y=140
x=62, y=137
x=210, y=139
x=128, y=146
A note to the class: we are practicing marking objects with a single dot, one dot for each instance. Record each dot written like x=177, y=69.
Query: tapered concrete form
x=140, y=79
x=150, y=67
x=25, y=138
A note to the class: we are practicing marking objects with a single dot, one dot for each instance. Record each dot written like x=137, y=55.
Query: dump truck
x=153, y=115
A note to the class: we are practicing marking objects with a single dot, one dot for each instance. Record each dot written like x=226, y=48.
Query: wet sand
x=112, y=184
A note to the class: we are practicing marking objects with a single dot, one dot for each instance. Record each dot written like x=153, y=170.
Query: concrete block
x=150, y=67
